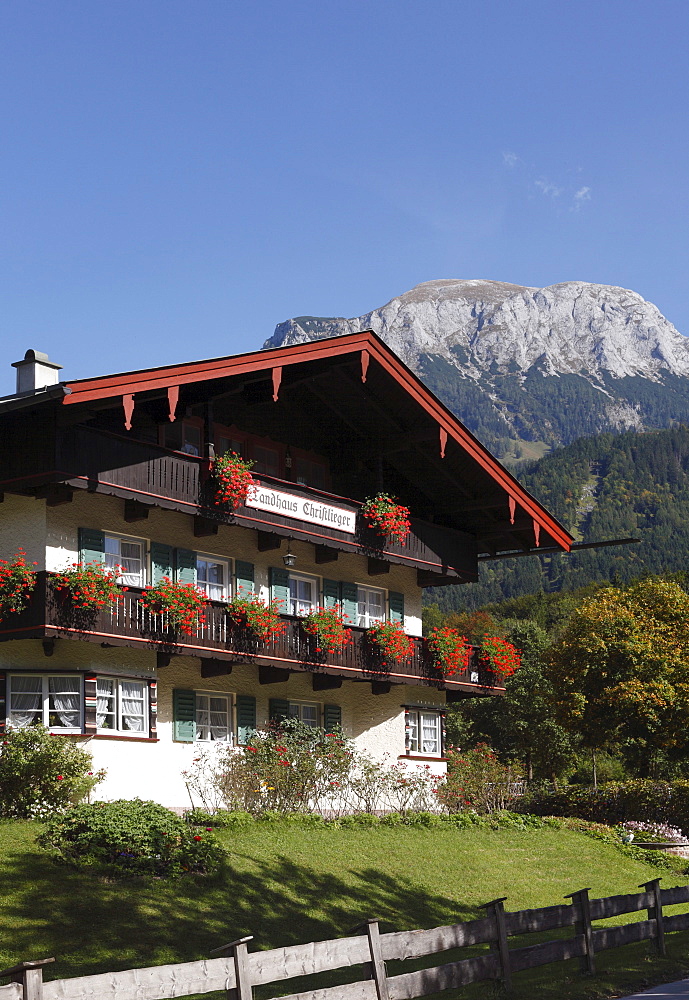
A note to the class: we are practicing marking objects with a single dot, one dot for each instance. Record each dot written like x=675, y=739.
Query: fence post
x=375, y=969
x=497, y=910
x=30, y=975
x=243, y=990
x=655, y=912
x=583, y=926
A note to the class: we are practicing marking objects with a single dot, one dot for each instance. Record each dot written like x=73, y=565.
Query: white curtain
x=26, y=701
x=132, y=694
x=104, y=704
x=64, y=697
x=218, y=719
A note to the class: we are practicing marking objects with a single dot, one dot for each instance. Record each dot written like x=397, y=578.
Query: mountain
x=528, y=369
x=610, y=486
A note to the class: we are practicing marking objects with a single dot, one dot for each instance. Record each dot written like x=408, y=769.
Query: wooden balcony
x=104, y=462
x=220, y=647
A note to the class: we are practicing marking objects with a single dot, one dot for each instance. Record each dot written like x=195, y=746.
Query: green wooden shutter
x=3, y=702
x=350, y=602
x=161, y=562
x=244, y=577
x=332, y=718
x=246, y=717
x=331, y=593
x=185, y=566
x=183, y=716
x=91, y=545
x=279, y=588
x=396, y=602
x=278, y=709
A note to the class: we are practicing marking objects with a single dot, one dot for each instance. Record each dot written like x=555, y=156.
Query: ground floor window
x=121, y=705
x=306, y=712
x=424, y=732
x=213, y=717
x=54, y=701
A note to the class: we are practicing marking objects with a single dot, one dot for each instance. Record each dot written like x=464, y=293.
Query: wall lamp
x=289, y=558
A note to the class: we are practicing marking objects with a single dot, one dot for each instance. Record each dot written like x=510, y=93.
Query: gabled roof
x=371, y=351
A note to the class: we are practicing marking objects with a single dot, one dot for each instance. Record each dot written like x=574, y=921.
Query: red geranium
x=233, y=479
x=328, y=626
x=503, y=658
x=17, y=580
x=450, y=650
x=180, y=603
x=91, y=586
x=253, y=614
x=391, y=640
x=387, y=516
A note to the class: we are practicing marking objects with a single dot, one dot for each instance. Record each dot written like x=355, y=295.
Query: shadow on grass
x=91, y=925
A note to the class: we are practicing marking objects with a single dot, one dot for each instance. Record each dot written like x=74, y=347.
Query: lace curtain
x=26, y=701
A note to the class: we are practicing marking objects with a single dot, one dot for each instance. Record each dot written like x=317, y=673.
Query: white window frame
x=118, y=729
x=363, y=621
x=226, y=562
x=144, y=545
x=414, y=723
x=300, y=705
x=315, y=582
x=231, y=734
x=45, y=700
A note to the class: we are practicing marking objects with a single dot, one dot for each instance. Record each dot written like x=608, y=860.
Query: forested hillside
x=609, y=486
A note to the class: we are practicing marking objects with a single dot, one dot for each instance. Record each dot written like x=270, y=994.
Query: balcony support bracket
x=267, y=541
x=204, y=526
x=214, y=668
x=48, y=647
x=381, y=687
x=377, y=567
x=325, y=682
x=134, y=510
x=325, y=554
x=272, y=675
x=163, y=660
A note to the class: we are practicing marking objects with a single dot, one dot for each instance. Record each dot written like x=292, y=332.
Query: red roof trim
x=83, y=390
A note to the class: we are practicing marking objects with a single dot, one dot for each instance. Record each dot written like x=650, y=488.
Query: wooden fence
x=239, y=970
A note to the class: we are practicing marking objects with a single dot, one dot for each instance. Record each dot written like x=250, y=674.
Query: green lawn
x=289, y=884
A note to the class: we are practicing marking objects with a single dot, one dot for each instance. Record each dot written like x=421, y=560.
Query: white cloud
x=549, y=189
x=510, y=159
x=580, y=196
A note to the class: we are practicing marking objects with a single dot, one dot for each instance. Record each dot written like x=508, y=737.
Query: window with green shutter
x=349, y=599
x=279, y=588
x=244, y=577
x=332, y=718
x=278, y=708
x=185, y=566
x=91, y=545
x=161, y=562
x=396, y=604
x=183, y=716
x=331, y=593
x=246, y=717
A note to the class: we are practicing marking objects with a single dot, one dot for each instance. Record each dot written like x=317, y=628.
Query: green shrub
x=615, y=802
x=42, y=773
x=220, y=818
x=131, y=838
x=476, y=780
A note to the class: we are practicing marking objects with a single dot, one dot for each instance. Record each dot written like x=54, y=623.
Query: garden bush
x=134, y=837
x=477, y=780
x=615, y=802
x=43, y=773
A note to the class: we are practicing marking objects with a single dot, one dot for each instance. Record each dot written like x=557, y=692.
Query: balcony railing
x=130, y=623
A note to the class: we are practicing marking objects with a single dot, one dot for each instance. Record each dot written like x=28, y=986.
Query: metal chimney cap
x=36, y=356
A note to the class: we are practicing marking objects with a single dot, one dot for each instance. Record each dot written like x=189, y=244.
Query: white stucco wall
x=23, y=525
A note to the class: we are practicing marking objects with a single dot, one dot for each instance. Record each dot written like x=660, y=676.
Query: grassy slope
x=289, y=885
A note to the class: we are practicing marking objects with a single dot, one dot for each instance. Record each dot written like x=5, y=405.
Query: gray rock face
x=570, y=328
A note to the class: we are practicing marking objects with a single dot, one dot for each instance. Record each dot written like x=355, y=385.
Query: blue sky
x=176, y=178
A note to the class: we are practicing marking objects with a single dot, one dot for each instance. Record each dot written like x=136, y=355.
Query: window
x=371, y=606
x=306, y=712
x=213, y=717
x=424, y=732
x=225, y=444
x=183, y=435
x=213, y=577
x=53, y=701
x=121, y=705
x=129, y=554
x=310, y=473
x=266, y=460
x=303, y=592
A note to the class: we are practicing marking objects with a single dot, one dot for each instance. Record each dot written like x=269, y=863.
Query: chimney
x=35, y=372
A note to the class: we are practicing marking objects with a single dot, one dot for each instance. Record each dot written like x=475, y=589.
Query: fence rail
x=239, y=970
